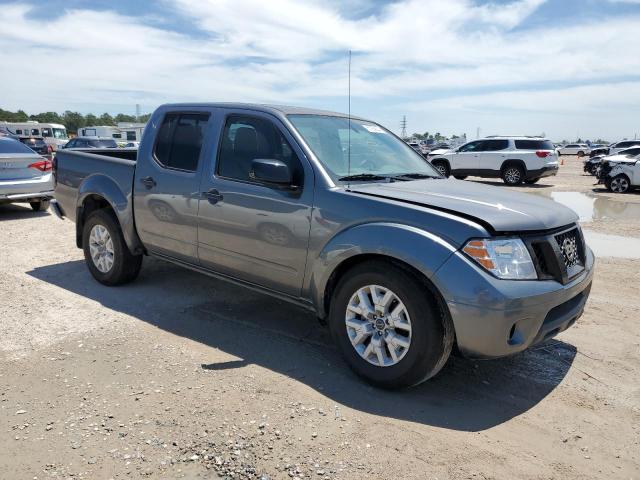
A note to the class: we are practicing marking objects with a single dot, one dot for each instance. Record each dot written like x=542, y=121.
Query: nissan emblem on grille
x=570, y=251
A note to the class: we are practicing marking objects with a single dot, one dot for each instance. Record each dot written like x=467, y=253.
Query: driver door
x=249, y=230
x=466, y=160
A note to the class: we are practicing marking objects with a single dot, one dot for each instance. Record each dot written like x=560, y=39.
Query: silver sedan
x=25, y=176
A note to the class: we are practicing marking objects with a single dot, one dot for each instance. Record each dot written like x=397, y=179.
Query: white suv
x=514, y=159
x=579, y=149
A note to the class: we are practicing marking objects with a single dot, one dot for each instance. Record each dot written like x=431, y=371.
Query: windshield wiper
x=414, y=176
x=364, y=176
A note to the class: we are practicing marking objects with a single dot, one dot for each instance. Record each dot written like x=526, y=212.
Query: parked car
x=38, y=145
x=621, y=176
x=374, y=240
x=598, y=151
x=592, y=165
x=132, y=145
x=619, y=146
x=579, y=149
x=91, y=142
x=25, y=176
x=514, y=159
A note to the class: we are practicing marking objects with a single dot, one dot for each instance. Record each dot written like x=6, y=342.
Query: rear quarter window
x=535, y=145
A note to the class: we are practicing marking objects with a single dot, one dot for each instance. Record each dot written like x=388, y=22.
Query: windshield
x=374, y=150
x=103, y=143
x=60, y=133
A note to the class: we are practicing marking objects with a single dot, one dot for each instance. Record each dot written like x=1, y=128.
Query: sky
x=563, y=68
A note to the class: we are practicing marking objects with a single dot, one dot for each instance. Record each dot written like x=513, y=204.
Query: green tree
x=144, y=118
x=121, y=117
x=90, y=120
x=106, y=119
x=73, y=121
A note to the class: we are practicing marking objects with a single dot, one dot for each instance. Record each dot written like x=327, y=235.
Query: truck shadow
x=467, y=395
x=12, y=211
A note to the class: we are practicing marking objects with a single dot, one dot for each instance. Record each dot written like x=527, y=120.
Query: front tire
x=388, y=326
x=442, y=167
x=512, y=175
x=105, y=251
x=619, y=184
x=40, y=205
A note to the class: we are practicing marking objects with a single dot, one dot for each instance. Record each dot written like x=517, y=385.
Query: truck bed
x=77, y=170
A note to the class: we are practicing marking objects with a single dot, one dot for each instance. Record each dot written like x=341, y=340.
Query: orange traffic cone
x=561, y=160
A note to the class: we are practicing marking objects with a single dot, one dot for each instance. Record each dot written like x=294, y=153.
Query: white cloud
x=91, y=60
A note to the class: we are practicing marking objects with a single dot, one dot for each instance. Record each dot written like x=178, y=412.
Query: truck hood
x=498, y=208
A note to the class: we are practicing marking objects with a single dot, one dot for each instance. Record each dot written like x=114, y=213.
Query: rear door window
x=494, y=145
x=179, y=140
x=534, y=145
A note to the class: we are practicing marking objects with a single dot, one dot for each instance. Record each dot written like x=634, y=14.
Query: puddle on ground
x=592, y=207
x=615, y=246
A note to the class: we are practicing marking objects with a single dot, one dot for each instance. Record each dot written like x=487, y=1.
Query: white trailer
x=54, y=134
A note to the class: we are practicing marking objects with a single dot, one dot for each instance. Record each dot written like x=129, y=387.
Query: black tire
x=126, y=266
x=442, y=167
x=40, y=205
x=513, y=175
x=459, y=177
x=432, y=334
x=532, y=181
x=580, y=153
x=618, y=184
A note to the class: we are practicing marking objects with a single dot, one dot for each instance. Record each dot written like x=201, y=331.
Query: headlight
x=506, y=258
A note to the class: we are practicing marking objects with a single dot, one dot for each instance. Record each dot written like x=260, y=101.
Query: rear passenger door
x=492, y=155
x=166, y=185
x=247, y=229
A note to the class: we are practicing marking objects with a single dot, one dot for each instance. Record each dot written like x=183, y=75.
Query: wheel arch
x=100, y=192
x=414, y=250
x=513, y=161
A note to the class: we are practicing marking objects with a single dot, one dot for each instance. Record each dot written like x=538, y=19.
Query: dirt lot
x=181, y=376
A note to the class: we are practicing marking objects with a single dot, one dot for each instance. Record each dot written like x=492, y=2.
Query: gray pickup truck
x=340, y=216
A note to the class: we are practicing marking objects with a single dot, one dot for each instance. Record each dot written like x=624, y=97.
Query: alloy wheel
x=101, y=248
x=619, y=185
x=378, y=325
x=512, y=175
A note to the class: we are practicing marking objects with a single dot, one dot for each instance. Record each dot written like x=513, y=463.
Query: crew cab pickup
x=340, y=216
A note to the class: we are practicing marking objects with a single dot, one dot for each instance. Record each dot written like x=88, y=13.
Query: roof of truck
x=275, y=109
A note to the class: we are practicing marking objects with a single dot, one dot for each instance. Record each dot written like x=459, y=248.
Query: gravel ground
x=181, y=376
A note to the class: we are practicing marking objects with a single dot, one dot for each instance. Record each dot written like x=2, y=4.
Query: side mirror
x=271, y=171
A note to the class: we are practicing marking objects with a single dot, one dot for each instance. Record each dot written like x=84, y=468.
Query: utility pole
x=137, y=112
x=478, y=132
x=403, y=126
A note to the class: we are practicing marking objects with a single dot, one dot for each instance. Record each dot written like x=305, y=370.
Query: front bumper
x=494, y=317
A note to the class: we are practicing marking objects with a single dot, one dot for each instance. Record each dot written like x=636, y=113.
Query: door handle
x=213, y=196
x=148, y=182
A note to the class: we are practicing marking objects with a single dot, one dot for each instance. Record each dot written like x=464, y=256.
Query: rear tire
x=513, y=175
x=423, y=349
x=105, y=251
x=580, y=153
x=40, y=205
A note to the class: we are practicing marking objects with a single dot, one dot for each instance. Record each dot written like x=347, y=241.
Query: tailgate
x=15, y=166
